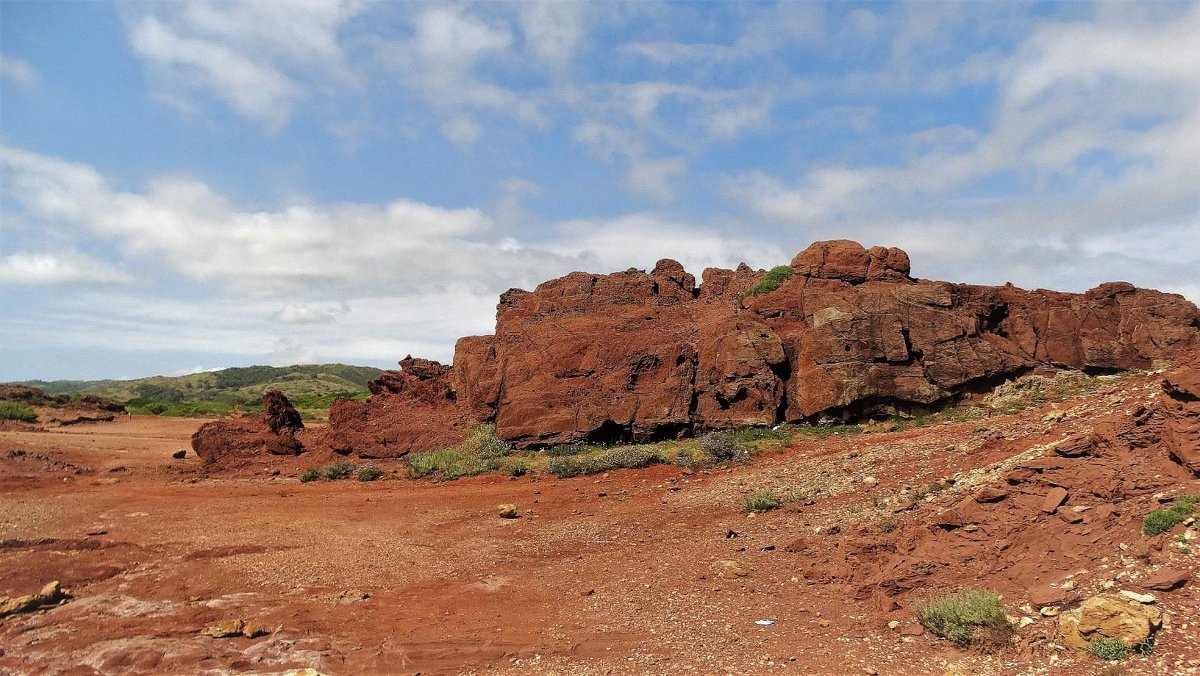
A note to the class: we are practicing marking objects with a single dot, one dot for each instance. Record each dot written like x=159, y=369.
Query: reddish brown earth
x=637, y=356
x=650, y=571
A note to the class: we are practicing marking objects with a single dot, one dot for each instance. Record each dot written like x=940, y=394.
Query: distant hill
x=311, y=387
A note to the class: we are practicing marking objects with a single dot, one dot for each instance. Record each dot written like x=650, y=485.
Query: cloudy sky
x=192, y=185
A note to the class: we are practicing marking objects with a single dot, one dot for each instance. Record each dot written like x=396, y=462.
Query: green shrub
x=721, y=446
x=11, y=410
x=752, y=434
x=338, y=470
x=482, y=451
x=575, y=448
x=369, y=474
x=1162, y=520
x=763, y=500
x=959, y=617
x=1109, y=649
x=889, y=525
x=629, y=457
x=771, y=281
x=310, y=474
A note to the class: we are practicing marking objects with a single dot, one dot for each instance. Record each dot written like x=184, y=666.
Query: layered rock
x=639, y=356
x=273, y=432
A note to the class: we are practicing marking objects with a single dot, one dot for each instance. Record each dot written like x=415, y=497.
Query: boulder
x=50, y=594
x=1167, y=579
x=1109, y=616
x=232, y=439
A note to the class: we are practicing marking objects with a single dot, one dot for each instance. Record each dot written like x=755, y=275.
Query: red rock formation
x=638, y=356
x=273, y=432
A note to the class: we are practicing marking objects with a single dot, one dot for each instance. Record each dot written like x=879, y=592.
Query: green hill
x=312, y=388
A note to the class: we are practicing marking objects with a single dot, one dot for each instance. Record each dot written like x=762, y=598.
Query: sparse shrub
x=771, y=281
x=369, y=474
x=482, y=451
x=338, y=470
x=11, y=410
x=629, y=457
x=959, y=618
x=310, y=474
x=562, y=450
x=1109, y=649
x=889, y=525
x=721, y=446
x=763, y=500
x=1163, y=520
x=752, y=434
x=686, y=459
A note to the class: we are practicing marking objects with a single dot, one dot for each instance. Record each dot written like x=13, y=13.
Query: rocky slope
x=636, y=356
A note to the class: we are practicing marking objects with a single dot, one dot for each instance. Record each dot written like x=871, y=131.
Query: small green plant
x=889, y=525
x=771, y=281
x=960, y=618
x=629, y=457
x=11, y=410
x=763, y=500
x=1109, y=649
x=482, y=451
x=338, y=470
x=369, y=474
x=310, y=474
x=1163, y=520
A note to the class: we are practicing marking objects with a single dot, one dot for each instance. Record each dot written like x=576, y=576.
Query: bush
x=773, y=280
x=339, y=470
x=763, y=500
x=1109, y=649
x=721, y=446
x=1163, y=520
x=482, y=451
x=11, y=410
x=310, y=474
x=630, y=457
x=889, y=525
x=369, y=474
x=959, y=617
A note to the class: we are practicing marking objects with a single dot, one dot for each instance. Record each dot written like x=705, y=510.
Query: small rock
x=180, y=454
x=971, y=527
x=1134, y=596
x=353, y=596
x=224, y=629
x=823, y=623
x=1025, y=622
x=1055, y=497
x=870, y=481
x=1167, y=579
x=730, y=569
x=507, y=511
x=1048, y=611
x=893, y=625
x=254, y=629
x=990, y=494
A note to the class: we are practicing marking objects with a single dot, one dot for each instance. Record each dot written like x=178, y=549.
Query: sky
x=186, y=186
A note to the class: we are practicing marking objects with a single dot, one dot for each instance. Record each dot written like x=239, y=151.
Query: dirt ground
x=657, y=571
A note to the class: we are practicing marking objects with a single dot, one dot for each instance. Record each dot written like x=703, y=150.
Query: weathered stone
x=224, y=629
x=50, y=594
x=238, y=439
x=1107, y=616
x=1054, y=498
x=507, y=511
x=1167, y=579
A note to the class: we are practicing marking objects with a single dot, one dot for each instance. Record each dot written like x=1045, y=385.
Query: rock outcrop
x=634, y=355
x=273, y=432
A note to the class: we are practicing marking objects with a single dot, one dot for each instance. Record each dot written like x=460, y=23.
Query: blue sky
x=193, y=185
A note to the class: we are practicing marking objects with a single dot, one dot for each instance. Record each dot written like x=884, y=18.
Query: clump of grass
x=1162, y=520
x=889, y=525
x=482, y=451
x=763, y=500
x=1109, y=649
x=771, y=281
x=920, y=492
x=965, y=618
x=338, y=470
x=310, y=474
x=752, y=434
x=11, y=410
x=369, y=474
x=629, y=457
x=575, y=448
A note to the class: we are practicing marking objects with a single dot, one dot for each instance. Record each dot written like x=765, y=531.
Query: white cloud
x=18, y=71
x=53, y=269
x=300, y=313
x=242, y=52
x=654, y=177
x=553, y=30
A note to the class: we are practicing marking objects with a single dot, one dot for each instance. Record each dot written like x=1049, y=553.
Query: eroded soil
x=650, y=571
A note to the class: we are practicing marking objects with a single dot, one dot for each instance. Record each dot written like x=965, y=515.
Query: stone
x=254, y=629
x=730, y=569
x=1108, y=616
x=990, y=494
x=50, y=594
x=1167, y=579
x=180, y=454
x=1055, y=497
x=353, y=596
x=224, y=629
x=507, y=511
x=235, y=441
x=1047, y=595
x=1135, y=596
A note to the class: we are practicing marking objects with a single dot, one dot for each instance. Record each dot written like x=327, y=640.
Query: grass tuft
x=961, y=618
x=771, y=281
x=11, y=410
x=370, y=474
x=763, y=500
x=1109, y=649
x=1163, y=520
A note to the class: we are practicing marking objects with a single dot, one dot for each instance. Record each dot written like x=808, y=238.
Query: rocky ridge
x=640, y=356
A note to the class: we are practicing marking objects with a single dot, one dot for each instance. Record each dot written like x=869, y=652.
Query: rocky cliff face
x=647, y=355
